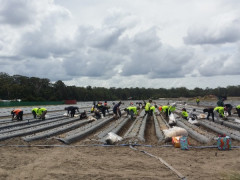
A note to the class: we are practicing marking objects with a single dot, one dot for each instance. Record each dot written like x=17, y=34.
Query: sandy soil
x=115, y=162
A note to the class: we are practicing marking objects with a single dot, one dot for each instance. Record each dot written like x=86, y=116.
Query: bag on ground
x=202, y=116
x=175, y=131
x=224, y=143
x=112, y=138
x=194, y=122
x=184, y=144
x=172, y=119
x=91, y=118
x=176, y=141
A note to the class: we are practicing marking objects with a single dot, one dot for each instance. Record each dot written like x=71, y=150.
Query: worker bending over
x=147, y=107
x=34, y=112
x=41, y=113
x=168, y=109
x=132, y=111
x=210, y=112
x=218, y=112
x=116, y=110
x=18, y=114
x=71, y=110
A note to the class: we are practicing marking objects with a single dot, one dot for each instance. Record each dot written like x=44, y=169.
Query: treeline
x=37, y=89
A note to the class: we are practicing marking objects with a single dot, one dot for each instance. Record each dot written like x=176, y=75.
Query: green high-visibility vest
x=133, y=108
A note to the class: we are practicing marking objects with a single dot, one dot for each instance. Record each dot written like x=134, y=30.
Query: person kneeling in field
x=184, y=114
x=83, y=115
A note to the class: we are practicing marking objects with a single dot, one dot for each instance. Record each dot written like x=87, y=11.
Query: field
x=35, y=150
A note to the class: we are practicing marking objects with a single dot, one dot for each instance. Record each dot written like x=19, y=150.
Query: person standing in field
x=198, y=101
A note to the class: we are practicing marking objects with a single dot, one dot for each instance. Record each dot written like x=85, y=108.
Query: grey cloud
x=93, y=63
x=43, y=42
x=16, y=12
x=221, y=65
x=152, y=58
x=228, y=33
x=43, y=68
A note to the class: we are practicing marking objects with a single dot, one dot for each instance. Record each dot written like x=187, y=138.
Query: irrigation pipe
x=106, y=145
x=163, y=162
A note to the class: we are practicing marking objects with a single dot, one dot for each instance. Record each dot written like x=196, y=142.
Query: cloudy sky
x=123, y=43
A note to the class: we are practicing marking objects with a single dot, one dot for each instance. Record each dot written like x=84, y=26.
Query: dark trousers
x=19, y=116
x=238, y=111
x=167, y=113
x=34, y=114
x=73, y=113
x=210, y=113
x=43, y=115
x=98, y=115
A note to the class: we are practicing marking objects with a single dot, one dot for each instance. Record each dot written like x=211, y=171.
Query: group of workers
x=221, y=110
x=99, y=108
x=131, y=110
x=37, y=112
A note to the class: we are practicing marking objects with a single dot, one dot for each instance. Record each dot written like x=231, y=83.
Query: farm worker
x=131, y=110
x=116, y=110
x=160, y=108
x=147, y=107
x=168, y=109
x=93, y=107
x=152, y=110
x=17, y=113
x=238, y=110
x=198, y=101
x=184, y=114
x=101, y=108
x=106, y=106
x=192, y=114
x=164, y=109
x=221, y=102
x=210, y=112
x=34, y=112
x=83, y=115
x=228, y=108
x=71, y=110
x=97, y=114
x=218, y=111
x=41, y=112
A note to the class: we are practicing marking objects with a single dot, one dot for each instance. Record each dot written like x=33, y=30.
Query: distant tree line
x=37, y=89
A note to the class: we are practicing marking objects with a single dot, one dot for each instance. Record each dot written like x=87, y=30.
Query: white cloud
x=121, y=43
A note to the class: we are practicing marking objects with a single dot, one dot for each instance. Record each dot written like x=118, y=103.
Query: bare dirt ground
x=82, y=160
x=114, y=162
